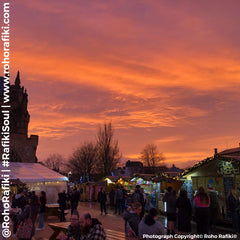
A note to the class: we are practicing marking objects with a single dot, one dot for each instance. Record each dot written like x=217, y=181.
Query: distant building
x=173, y=171
x=154, y=170
x=133, y=167
x=130, y=168
x=22, y=147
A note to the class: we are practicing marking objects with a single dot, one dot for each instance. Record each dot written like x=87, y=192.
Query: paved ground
x=110, y=221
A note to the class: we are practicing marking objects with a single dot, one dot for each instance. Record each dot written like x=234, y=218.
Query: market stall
x=221, y=173
x=154, y=187
x=38, y=178
x=113, y=181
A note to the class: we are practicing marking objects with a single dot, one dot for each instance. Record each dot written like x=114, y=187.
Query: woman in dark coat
x=184, y=212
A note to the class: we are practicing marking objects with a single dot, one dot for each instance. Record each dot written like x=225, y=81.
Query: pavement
x=109, y=221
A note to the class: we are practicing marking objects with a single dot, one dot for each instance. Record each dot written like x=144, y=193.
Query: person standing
x=137, y=196
x=124, y=199
x=19, y=201
x=62, y=201
x=201, y=203
x=234, y=208
x=111, y=198
x=102, y=199
x=74, y=199
x=42, y=210
x=35, y=206
x=214, y=207
x=118, y=199
x=27, y=213
x=170, y=199
x=184, y=212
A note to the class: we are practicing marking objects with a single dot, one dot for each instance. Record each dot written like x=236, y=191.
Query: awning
x=32, y=172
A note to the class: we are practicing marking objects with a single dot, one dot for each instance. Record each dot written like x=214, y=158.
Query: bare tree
x=83, y=161
x=54, y=161
x=150, y=155
x=107, y=150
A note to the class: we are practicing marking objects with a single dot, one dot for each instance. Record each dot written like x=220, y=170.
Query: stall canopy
x=33, y=172
x=37, y=178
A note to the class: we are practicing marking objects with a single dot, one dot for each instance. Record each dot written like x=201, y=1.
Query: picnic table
x=52, y=209
x=62, y=227
x=57, y=228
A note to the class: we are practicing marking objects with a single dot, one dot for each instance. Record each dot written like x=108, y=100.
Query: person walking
x=42, y=210
x=184, y=212
x=102, y=199
x=170, y=199
x=201, y=203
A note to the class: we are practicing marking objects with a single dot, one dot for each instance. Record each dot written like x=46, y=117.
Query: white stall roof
x=32, y=172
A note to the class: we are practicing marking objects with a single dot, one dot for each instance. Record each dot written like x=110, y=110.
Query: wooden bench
x=63, y=226
x=114, y=235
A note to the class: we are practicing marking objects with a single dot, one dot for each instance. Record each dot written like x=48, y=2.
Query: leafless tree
x=82, y=163
x=107, y=150
x=54, y=161
x=150, y=155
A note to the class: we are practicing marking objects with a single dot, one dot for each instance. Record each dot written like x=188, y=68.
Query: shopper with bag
x=25, y=228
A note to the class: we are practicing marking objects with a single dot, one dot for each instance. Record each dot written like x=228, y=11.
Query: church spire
x=17, y=80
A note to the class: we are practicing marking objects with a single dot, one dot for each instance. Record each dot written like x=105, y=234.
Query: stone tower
x=22, y=147
x=19, y=117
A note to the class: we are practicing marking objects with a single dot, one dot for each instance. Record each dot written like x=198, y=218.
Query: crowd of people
x=204, y=210
x=131, y=207
x=27, y=206
x=179, y=211
x=24, y=210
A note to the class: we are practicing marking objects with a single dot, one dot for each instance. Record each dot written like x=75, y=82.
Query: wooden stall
x=222, y=173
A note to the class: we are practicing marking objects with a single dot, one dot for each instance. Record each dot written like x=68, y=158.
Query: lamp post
x=69, y=175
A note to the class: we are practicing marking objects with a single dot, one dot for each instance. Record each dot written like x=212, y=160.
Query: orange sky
x=165, y=72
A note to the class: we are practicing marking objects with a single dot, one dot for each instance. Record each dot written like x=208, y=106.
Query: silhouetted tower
x=22, y=147
x=19, y=117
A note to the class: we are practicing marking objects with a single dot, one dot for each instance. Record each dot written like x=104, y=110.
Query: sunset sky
x=164, y=72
